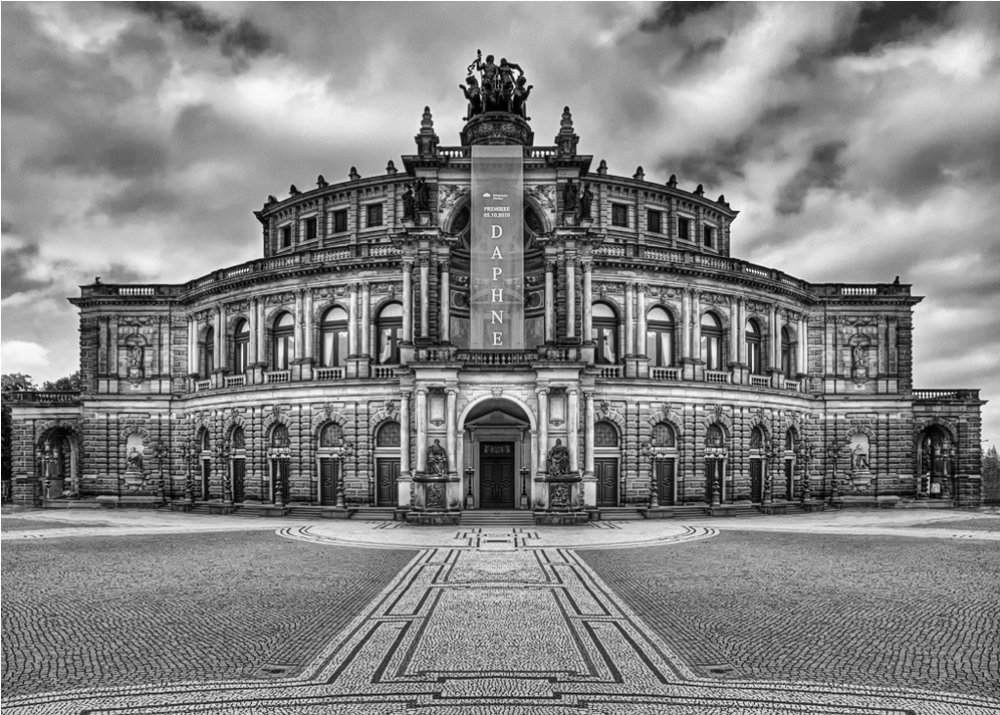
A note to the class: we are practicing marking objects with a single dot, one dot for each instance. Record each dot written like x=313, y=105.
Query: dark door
x=206, y=473
x=756, y=480
x=327, y=481
x=606, y=473
x=496, y=475
x=789, y=480
x=239, y=474
x=665, y=482
x=711, y=479
x=386, y=476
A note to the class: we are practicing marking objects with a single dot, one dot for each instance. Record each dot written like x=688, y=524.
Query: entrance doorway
x=756, y=481
x=496, y=475
x=606, y=474
x=665, y=482
x=327, y=481
x=239, y=477
x=386, y=476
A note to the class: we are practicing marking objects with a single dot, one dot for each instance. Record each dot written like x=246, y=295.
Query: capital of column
x=541, y=391
x=551, y=266
x=586, y=266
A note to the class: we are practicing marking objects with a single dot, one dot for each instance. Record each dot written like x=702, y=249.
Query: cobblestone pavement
x=988, y=523
x=550, y=620
x=17, y=523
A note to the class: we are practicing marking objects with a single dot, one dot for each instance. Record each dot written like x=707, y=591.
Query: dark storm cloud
x=244, y=39
x=97, y=150
x=879, y=24
x=696, y=53
x=823, y=171
x=17, y=261
x=725, y=158
x=138, y=199
x=673, y=14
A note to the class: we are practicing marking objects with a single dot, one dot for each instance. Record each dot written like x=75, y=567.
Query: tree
x=15, y=382
x=64, y=384
x=991, y=476
x=18, y=381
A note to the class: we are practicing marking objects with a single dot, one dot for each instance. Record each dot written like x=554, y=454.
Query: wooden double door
x=329, y=475
x=239, y=480
x=497, y=484
x=666, y=479
x=386, y=478
x=606, y=474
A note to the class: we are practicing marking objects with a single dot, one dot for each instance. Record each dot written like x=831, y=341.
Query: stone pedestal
x=564, y=502
x=436, y=500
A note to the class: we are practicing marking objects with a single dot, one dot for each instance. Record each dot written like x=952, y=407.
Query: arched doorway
x=58, y=463
x=329, y=454
x=607, y=456
x=934, y=457
x=497, y=455
x=664, y=454
x=758, y=463
x=387, y=443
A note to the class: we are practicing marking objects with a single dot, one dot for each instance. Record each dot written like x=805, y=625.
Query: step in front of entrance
x=499, y=517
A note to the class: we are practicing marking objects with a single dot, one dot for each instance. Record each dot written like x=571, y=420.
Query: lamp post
x=470, y=499
x=226, y=472
x=524, y=487
x=646, y=448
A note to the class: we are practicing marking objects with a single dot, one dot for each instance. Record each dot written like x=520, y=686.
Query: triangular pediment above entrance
x=497, y=418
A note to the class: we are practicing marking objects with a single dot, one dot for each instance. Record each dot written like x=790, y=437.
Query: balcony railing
x=945, y=395
x=609, y=371
x=236, y=381
x=42, y=396
x=329, y=373
x=384, y=372
x=793, y=385
x=277, y=377
x=717, y=377
x=665, y=373
x=760, y=381
x=202, y=385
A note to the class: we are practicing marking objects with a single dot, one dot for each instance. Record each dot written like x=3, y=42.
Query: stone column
x=421, y=410
x=307, y=327
x=775, y=339
x=629, y=320
x=261, y=336
x=405, y=475
x=407, y=301
x=352, y=321
x=550, y=303
x=741, y=318
x=451, y=418
x=299, y=351
x=686, y=324
x=364, y=339
x=570, y=297
x=696, y=324
x=734, y=330
x=573, y=430
x=445, y=300
x=220, y=338
x=543, y=429
x=882, y=346
x=425, y=299
x=589, y=481
x=254, y=354
x=192, y=348
x=164, y=353
x=640, y=345
x=588, y=301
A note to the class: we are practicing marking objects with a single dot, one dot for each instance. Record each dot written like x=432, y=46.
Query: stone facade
x=323, y=373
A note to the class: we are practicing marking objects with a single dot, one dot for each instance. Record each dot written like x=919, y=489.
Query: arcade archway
x=497, y=455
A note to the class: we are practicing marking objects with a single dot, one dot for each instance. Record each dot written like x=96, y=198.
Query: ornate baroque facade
x=656, y=373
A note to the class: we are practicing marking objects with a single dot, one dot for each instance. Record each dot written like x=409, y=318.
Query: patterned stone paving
x=503, y=621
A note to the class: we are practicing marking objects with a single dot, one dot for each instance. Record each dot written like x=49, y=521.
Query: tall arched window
x=390, y=329
x=711, y=342
x=333, y=329
x=241, y=347
x=659, y=337
x=283, y=342
x=208, y=352
x=605, y=334
x=331, y=436
x=786, y=353
x=388, y=435
x=663, y=435
x=753, y=342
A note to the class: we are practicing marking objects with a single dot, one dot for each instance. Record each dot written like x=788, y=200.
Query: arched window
x=605, y=334
x=714, y=436
x=711, y=342
x=605, y=435
x=204, y=441
x=283, y=342
x=388, y=435
x=756, y=438
x=333, y=329
x=279, y=436
x=659, y=337
x=390, y=329
x=663, y=435
x=241, y=347
x=753, y=342
x=789, y=441
x=331, y=436
x=208, y=352
x=786, y=353
x=239, y=439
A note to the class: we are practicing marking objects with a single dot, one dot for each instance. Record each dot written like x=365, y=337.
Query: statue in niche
x=409, y=203
x=859, y=459
x=586, y=201
x=558, y=459
x=421, y=195
x=437, y=459
x=859, y=362
x=133, y=460
x=571, y=199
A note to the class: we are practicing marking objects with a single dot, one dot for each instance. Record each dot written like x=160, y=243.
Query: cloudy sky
x=859, y=142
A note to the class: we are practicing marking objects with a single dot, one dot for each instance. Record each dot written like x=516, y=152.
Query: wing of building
x=497, y=325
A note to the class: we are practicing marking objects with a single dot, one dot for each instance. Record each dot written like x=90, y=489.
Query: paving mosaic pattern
x=873, y=610
x=16, y=523
x=986, y=523
x=496, y=621
x=102, y=612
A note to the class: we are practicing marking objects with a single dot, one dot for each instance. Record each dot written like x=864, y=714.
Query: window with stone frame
x=331, y=436
x=390, y=329
x=654, y=222
x=756, y=438
x=715, y=437
x=388, y=435
x=238, y=438
x=604, y=325
x=311, y=229
x=684, y=228
x=660, y=337
x=619, y=215
x=663, y=435
x=241, y=347
x=711, y=341
x=286, y=236
x=787, y=364
x=340, y=221
x=753, y=340
x=333, y=337
x=373, y=212
x=709, y=236
x=208, y=352
x=283, y=342
x=605, y=435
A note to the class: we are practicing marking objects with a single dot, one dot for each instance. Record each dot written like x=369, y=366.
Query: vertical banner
x=497, y=247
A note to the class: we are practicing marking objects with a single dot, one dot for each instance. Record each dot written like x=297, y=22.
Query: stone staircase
x=498, y=518
x=374, y=513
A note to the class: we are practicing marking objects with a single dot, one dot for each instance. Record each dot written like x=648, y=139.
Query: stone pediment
x=497, y=418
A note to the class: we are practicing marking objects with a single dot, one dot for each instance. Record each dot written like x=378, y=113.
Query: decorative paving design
x=497, y=621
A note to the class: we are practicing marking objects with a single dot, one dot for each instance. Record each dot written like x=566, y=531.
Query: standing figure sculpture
x=497, y=86
x=474, y=95
x=586, y=201
x=437, y=459
x=409, y=204
x=558, y=459
x=421, y=195
x=133, y=461
x=518, y=102
x=571, y=201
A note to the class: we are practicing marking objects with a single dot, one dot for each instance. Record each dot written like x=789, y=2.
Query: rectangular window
x=709, y=237
x=619, y=215
x=684, y=228
x=374, y=215
x=311, y=228
x=286, y=236
x=340, y=221
x=653, y=224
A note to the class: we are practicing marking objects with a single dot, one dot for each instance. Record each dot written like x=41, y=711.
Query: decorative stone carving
x=435, y=496
x=449, y=195
x=559, y=496
x=544, y=195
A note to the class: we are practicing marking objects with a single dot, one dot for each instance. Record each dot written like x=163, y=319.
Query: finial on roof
x=672, y=181
x=321, y=182
x=639, y=174
x=354, y=175
x=390, y=168
x=566, y=140
x=428, y=121
x=567, y=119
x=272, y=199
x=427, y=140
x=602, y=168
x=721, y=199
x=700, y=191
x=293, y=191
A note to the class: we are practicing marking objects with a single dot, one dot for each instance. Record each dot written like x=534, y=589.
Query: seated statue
x=558, y=459
x=133, y=462
x=437, y=459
